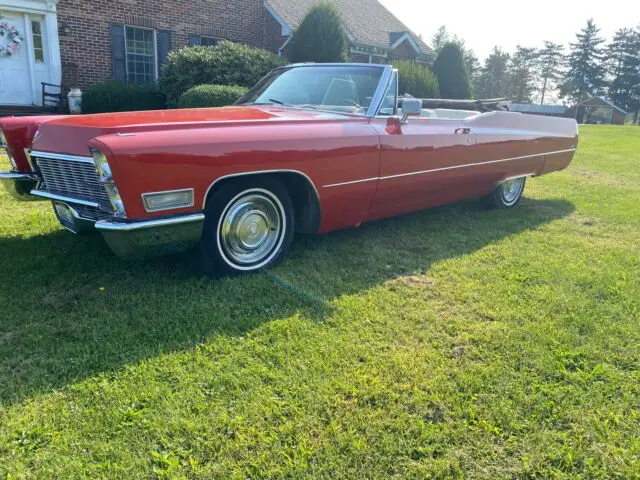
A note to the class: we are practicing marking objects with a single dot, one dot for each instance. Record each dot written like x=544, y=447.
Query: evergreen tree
x=585, y=75
x=492, y=81
x=451, y=72
x=472, y=64
x=623, y=66
x=321, y=37
x=550, y=61
x=440, y=38
x=522, y=74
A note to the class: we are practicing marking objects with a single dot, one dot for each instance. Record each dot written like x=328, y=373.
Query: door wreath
x=15, y=39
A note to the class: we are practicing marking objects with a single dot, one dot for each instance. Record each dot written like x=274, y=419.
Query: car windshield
x=346, y=89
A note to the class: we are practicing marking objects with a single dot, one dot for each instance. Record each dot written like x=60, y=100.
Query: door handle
x=463, y=131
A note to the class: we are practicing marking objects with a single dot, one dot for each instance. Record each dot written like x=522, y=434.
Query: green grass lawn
x=450, y=343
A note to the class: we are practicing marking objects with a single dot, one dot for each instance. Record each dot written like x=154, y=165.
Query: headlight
x=102, y=166
x=106, y=178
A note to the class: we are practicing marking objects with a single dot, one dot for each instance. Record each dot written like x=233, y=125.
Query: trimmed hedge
x=417, y=80
x=451, y=72
x=321, y=36
x=227, y=63
x=114, y=96
x=210, y=96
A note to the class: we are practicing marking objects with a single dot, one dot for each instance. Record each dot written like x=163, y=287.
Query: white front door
x=15, y=78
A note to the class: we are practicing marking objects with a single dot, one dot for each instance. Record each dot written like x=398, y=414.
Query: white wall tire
x=507, y=194
x=248, y=227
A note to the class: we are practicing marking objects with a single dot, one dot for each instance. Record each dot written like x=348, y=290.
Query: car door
x=423, y=164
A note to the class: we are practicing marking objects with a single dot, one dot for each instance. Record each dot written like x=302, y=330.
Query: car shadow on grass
x=72, y=310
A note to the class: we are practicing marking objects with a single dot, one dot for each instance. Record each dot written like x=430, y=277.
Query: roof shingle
x=368, y=21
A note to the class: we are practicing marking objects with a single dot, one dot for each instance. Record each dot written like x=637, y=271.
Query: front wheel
x=248, y=227
x=507, y=194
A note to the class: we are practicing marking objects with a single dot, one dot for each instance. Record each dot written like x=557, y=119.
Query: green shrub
x=451, y=72
x=417, y=80
x=114, y=96
x=321, y=37
x=210, y=96
x=227, y=63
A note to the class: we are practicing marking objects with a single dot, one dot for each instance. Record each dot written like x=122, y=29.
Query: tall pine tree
x=585, y=75
x=550, y=61
x=623, y=66
x=493, y=79
x=522, y=74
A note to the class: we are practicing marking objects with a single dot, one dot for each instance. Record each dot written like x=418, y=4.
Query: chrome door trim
x=420, y=172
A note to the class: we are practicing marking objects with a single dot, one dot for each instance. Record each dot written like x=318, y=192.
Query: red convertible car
x=311, y=148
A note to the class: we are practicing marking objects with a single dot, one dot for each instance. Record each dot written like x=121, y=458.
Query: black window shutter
x=118, y=55
x=194, y=40
x=164, y=46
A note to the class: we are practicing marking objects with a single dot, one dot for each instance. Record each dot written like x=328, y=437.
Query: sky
x=486, y=23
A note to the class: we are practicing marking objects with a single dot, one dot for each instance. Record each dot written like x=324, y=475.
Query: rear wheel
x=248, y=227
x=507, y=194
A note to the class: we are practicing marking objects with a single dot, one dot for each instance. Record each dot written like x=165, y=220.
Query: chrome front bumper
x=153, y=237
x=19, y=185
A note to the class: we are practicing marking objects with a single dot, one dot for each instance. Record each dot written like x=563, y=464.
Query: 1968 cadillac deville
x=311, y=148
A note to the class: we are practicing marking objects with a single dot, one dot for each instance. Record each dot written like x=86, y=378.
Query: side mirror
x=411, y=107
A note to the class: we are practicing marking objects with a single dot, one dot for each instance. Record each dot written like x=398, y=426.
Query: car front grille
x=74, y=178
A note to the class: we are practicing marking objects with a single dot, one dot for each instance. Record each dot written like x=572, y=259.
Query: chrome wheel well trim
x=257, y=172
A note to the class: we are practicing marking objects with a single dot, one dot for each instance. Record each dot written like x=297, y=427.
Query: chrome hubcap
x=511, y=190
x=250, y=228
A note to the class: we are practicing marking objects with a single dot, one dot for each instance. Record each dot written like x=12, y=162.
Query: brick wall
x=86, y=51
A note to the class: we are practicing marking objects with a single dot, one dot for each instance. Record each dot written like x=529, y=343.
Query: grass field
x=450, y=343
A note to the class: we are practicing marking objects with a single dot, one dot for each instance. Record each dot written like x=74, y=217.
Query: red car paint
x=19, y=132
x=361, y=168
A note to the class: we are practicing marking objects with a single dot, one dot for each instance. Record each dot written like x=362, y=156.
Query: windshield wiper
x=279, y=102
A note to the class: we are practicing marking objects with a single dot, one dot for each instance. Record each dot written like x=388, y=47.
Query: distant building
x=597, y=110
x=533, y=109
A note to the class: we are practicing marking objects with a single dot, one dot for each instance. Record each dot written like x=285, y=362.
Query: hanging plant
x=14, y=38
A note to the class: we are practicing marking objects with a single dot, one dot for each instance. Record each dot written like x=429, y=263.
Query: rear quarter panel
x=531, y=143
x=325, y=151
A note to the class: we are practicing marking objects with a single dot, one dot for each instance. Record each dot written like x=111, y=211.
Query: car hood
x=71, y=134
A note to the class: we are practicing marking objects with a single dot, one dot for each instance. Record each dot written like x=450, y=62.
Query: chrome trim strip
x=109, y=226
x=16, y=176
x=64, y=199
x=453, y=168
x=256, y=172
x=27, y=154
x=381, y=90
x=60, y=156
x=150, y=194
x=372, y=179
x=533, y=174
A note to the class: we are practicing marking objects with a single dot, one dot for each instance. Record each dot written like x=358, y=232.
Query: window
x=140, y=48
x=209, y=41
x=390, y=103
x=38, y=45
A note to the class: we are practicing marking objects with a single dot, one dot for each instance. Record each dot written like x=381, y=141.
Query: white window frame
x=155, y=51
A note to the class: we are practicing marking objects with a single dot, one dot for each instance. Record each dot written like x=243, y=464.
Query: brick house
x=80, y=42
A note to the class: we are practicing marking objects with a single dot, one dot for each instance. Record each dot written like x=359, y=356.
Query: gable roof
x=367, y=22
x=605, y=102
